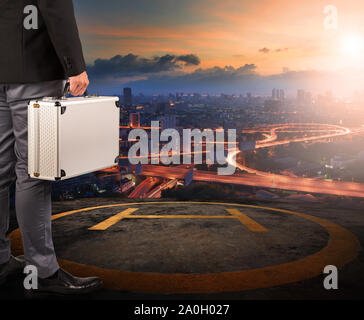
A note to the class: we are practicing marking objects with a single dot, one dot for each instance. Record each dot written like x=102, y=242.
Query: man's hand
x=79, y=84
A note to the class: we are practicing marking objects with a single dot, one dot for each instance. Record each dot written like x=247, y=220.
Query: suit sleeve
x=60, y=21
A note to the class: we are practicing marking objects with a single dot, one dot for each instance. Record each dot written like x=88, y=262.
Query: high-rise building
x=281, y=95
x=278, y=94
x=134, y=120
x=274, y=94
x=128, y=97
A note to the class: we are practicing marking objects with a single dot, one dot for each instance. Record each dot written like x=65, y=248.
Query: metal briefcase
x=68, y=137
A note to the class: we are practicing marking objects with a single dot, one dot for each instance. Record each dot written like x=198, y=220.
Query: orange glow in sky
x=273, y=34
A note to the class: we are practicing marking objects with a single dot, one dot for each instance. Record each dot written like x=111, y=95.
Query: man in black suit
x=40, y=49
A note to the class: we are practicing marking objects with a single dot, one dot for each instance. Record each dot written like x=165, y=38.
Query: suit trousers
x=32, y=197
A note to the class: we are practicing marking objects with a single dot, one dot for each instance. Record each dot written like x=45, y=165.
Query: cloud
x=281, y=49
x=227, y=71
x=264, y=50
x=212, y=80
x=131, y=65
x=189, y=59
x=147, y=75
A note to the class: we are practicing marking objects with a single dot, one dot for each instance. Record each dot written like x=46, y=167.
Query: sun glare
x=352, y=45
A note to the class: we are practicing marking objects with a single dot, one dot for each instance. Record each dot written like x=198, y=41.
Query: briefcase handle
x=66, y=91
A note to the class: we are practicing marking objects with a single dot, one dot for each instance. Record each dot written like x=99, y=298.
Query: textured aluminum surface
x=72, y=136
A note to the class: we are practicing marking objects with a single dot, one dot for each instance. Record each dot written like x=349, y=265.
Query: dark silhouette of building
x=128, y=97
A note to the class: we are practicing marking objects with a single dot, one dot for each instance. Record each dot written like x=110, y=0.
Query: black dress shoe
x=15, y=266
x=65, y=283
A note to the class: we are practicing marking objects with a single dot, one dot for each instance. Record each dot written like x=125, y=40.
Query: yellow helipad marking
x=114, y=219
x=245, y=220
x=126, y=214
x=342, y=248
x=180, y=216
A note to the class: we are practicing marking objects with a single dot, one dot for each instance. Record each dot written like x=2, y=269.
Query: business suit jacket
x=51, y=52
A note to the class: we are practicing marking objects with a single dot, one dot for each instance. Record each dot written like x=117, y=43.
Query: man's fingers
x=83, y=89
x=77, y=89
x=79, y=84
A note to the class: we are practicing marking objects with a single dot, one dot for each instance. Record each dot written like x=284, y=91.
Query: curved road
x=268, y=180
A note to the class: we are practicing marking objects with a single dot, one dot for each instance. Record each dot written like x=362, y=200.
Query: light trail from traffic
x=143, y=188
x=272, y=140
x=268, y=180
x=157, y=192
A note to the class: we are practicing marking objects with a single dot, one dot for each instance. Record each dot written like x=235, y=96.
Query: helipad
x=197, y=247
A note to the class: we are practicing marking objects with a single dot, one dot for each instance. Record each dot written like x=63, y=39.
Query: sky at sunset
x=217, y=46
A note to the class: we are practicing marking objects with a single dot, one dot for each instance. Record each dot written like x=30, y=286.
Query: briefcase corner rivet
x=36, y=175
